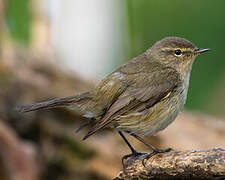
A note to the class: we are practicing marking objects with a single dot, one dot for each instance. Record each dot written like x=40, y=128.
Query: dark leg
x=155, y=150
x=133, y=151
x=129, y=145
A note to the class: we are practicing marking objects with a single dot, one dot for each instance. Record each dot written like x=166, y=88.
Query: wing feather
x=143, y=87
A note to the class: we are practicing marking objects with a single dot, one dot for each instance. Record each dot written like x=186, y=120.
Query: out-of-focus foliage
x=201, y=22
x=148, y=21
x=18, y=15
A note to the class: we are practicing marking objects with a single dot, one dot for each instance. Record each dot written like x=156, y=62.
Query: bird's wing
x=148, y=83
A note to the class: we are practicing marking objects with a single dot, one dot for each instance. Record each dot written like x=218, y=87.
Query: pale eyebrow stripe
x=176, y=48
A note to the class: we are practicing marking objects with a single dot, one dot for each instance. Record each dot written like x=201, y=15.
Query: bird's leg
x=149, y=145
x=155, y=150
x=133, y=151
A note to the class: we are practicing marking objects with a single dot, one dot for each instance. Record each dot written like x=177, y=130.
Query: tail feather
x=83, y=125
x=61, y=102
x=94, y=129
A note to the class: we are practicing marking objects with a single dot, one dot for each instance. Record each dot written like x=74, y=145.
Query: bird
x=141, y=97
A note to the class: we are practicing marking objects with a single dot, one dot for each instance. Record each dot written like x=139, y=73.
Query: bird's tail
x=61, y=102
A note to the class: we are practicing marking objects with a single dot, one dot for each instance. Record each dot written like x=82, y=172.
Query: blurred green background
x=18, y=16
x=202, y=22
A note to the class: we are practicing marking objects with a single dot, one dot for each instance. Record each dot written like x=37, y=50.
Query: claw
x=163, y=150
x=149, y=155
x=134, y=154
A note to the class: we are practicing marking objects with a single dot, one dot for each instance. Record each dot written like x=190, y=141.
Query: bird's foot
x=133, y=154
x=162, y=150
x=155, y=151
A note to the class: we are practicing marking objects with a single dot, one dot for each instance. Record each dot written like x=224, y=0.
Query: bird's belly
x=156, y=118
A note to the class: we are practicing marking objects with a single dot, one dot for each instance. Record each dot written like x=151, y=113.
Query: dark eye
x=178, y=52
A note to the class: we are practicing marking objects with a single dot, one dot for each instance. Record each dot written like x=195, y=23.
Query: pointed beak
x=201, y=50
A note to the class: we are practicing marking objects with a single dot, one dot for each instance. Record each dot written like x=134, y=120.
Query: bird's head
x=175, y=52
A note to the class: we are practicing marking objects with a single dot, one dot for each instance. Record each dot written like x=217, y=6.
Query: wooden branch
x=209, y=164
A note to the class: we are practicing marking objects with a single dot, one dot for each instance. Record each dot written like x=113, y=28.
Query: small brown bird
x=142, y=97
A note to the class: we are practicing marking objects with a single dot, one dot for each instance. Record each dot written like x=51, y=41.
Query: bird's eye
x=178, y=52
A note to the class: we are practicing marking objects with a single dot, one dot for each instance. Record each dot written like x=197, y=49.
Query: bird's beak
x=201, y=50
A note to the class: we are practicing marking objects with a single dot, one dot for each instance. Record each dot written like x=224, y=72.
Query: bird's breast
x=156, y=118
